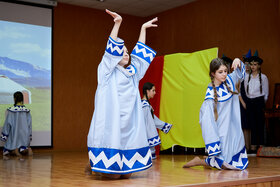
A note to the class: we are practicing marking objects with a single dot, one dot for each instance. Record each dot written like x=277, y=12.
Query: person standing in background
x=257, y=90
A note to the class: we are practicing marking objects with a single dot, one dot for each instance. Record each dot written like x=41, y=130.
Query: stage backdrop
x=181, y=80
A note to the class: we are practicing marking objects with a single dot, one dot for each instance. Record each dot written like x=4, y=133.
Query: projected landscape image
x=25, y=65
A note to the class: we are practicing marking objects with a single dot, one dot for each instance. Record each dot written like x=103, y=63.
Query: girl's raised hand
x=236, y=63
x=117, y=17
x=150, y=23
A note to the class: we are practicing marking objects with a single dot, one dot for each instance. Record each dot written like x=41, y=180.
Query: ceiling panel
x=141, y=8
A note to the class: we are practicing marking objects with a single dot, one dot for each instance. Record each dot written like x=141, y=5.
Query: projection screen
x=26, y=65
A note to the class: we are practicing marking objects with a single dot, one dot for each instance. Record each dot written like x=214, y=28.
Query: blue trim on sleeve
x=4, y=137
x=144, y=52
x=131, y=69
x=147, y=47
x=232, y=83
x=114, y=48
x=243, y=70
x=166, y=128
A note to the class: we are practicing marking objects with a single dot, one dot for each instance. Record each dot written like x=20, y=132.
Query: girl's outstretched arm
x=118, y=21
x=142, y=37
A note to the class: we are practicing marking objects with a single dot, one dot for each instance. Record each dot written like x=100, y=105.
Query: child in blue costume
x=17, y=129
x=117, y=140
x=220, y=119
x=151, y=120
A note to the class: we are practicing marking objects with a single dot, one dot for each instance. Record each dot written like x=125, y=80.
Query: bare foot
x=194, y=162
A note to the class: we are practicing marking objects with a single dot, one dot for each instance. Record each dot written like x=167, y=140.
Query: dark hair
x=148, y=86
x=228, y=61
x=215, y=64
x=18, y=96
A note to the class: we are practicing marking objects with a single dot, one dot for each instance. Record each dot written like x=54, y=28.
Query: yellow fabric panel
x=184, y=82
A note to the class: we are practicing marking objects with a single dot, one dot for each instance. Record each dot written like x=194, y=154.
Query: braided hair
x=260, y=79
x=148, y=86
x=18, y=97
x=215, y=64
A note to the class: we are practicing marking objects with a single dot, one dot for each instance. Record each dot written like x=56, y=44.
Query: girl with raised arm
x=117, y=140
x=220, y=119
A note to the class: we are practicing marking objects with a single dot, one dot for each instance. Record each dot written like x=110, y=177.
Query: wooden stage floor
x=67, y=169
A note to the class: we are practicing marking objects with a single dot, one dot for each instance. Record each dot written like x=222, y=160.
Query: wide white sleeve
x=265, y=86
x=209, y=128
x=238, y=74
x=141, y=58
x=112, y=56
x=6, y=127
x=163, y=126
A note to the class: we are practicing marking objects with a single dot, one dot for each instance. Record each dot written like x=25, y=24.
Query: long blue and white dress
x=17, y=129
x=117, y=140
x=224, y=138
x=152, y=124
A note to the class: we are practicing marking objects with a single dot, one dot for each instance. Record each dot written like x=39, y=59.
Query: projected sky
x=25, y=42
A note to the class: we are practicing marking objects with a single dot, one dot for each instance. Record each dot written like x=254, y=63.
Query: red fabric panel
x=154, y=75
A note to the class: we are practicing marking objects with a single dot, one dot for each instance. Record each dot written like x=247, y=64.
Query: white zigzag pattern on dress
x=137, y=157
x=116, y=48
x=144, y=51
x=220, y=92
x=214, y=163
x=116, y=158
x=155, y=140
x=103, y=157
x=239, y=163
x=213, y=149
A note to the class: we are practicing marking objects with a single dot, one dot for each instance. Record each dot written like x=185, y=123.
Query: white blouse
x=254, y=86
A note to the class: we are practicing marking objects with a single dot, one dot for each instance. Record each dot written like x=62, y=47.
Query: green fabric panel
x=184, y=82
